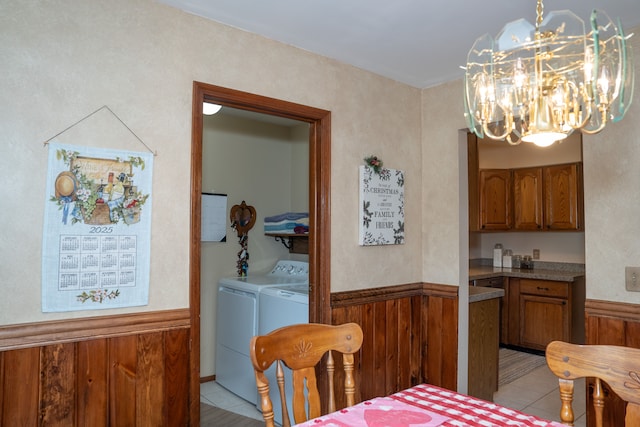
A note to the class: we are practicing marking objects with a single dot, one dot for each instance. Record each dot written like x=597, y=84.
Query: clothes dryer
x=237, y=322
x=282, y=306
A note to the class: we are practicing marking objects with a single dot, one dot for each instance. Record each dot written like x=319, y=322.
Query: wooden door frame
x=319, y=207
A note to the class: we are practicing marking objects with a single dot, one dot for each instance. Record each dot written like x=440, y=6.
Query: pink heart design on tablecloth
x=395, y=418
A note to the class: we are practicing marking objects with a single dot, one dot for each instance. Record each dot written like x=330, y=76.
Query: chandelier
x=539, y=84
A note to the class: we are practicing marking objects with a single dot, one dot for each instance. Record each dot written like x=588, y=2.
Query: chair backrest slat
x=301, y=347
x=618, y=367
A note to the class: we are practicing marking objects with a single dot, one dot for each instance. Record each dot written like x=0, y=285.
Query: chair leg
x=286, y=422
x=566, y=396
x=265, y=401
x=598, y=401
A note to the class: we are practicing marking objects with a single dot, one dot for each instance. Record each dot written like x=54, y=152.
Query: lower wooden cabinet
x=545, y=313
x=537, y=312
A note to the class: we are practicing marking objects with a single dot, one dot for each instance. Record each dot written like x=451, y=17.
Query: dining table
x=426, y=405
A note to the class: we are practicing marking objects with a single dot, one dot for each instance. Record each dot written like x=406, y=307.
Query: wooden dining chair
x=618, y=367
x=301, y=347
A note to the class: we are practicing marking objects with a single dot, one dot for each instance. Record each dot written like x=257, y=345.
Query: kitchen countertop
x=486, y=272
x=481, y=293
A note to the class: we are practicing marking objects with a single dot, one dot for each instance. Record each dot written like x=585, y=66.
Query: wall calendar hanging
x=381, y=210
x=96, y=241
x=96, y=238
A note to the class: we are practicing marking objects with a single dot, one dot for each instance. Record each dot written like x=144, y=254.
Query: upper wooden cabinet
x=548, y=197
x=531, y=199
x=563, y=201
x=527, y=196
x=495, y=199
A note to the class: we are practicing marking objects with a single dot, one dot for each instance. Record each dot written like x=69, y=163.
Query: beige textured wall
x=62, y=60
x=612, y=200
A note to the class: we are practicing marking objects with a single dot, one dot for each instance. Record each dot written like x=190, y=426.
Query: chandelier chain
x=539, y=11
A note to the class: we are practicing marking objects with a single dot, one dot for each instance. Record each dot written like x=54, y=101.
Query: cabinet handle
x=542, y=289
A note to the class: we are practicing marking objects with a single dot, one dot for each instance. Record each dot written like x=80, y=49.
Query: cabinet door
x=542, y=320
x=495, y=199
x=563, y=200
x=527, y=199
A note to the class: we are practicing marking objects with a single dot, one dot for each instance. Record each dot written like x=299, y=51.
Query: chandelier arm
x=594, y=131
x=512, y=142
x=485, y=128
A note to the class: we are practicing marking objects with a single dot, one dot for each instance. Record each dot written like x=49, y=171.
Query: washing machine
x=237, y=317
x=281, y=306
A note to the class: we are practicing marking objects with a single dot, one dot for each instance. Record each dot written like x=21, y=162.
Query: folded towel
x=282, y=227
x=301, y=221
x=291, y=216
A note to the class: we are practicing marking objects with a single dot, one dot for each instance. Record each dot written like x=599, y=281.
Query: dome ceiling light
x=209, y=108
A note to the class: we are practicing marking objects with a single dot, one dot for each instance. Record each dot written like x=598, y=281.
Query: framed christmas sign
x=381, y=206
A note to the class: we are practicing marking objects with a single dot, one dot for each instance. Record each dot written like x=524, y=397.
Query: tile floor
x=214, y=394
x=535, y=393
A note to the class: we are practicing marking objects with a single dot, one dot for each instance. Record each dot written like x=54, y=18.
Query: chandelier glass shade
x=540, y=83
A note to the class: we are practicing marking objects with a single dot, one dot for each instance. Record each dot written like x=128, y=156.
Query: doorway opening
x=319, y=205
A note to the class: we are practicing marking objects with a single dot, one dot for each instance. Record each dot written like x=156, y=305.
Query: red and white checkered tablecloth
x=463, y=410
x=428, y=406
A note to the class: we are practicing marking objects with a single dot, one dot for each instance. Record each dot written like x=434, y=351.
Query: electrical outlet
x=632, y=278
x=536, y=254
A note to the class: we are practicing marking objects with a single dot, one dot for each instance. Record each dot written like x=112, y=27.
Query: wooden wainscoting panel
x=58, y=371
x=403, y=338
x=610, y=323
x=378, y=348
x=20, y=395
x=128, y=379
x=150, y=379
x=122, y=384
x=392, y=346
x=416, y=333
x=440, y=362
x=1, y=386
x=92, y=383
x=410, y=335
x=176, y=366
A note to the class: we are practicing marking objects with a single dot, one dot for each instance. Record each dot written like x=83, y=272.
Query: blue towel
x=290, y=216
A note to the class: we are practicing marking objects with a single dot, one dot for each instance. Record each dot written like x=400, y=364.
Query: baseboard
x=207, y=379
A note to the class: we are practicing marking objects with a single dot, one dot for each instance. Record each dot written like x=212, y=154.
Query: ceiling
x=410, y=41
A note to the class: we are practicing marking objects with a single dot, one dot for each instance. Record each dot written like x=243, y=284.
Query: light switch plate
x=632, y=278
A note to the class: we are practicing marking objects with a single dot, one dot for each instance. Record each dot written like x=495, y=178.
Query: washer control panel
x=287, y=268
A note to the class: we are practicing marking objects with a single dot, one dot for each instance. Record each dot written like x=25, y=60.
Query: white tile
x=518, y=394
x=214, y=394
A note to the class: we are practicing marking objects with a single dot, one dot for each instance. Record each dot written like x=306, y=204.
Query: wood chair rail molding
x=71, y=330
x=614, y=309
x=364, y=296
